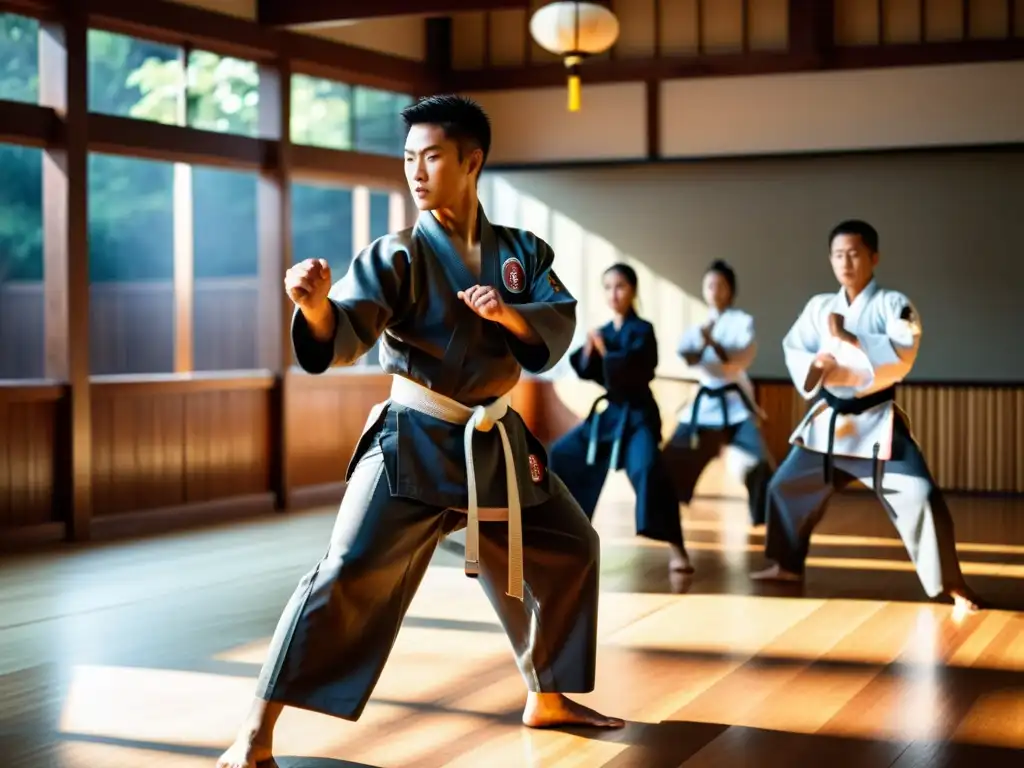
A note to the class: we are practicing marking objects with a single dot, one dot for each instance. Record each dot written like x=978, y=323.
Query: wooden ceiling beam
x=730, y=64
x=288, y=13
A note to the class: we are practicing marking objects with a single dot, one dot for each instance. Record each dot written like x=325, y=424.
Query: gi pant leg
x=567, y=458
x=657, y=508
x=757, y=472
x=338, y=628
x=553, y=630
x=919, y=512
x=798, y=495
x=687, y=463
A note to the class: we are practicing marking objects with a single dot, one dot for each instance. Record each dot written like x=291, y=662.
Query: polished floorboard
x=144, y=653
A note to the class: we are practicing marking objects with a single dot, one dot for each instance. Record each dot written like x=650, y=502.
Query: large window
x=174, y=249
x=22, y=350
x=131, y=265
x=19, y=58
x=339, y=116
x=226, y=304
x=378, y=125
x=136, y=78
x=324, y=226
x=380, y=214
x=223, y=93
x=321, y=113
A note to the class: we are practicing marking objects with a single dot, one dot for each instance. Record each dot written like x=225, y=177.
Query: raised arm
x=586, y=362
x=879, y=360
x=723, y=359
x=801, y=347
x=357, y=309
x=733, y=356
x=691, y=346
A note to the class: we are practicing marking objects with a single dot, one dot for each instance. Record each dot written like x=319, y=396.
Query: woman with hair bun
x=621, y=357
x=724, y=411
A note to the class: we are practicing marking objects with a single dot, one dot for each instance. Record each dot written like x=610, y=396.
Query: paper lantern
x=574, y=31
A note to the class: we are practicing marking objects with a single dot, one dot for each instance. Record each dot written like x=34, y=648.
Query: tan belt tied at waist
x=483, y=418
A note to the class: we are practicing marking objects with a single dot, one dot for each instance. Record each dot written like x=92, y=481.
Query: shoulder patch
x=553, y=281
x=513, y=276
x=908, y=314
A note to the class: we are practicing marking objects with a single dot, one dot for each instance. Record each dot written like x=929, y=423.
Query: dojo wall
x=765, y=165
x=949, y=224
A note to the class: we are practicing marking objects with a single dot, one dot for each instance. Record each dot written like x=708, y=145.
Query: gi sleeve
x=634, y=365
x=740, y=350
x=550, y=312
x=802, y=344
x=587, y=365
x=372, y=295
x=691, y=342
x=880, y=360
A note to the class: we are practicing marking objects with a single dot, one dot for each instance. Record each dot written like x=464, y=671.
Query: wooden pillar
x=62, y=86
x=652, y=94
x=274, y=219
x=812, y=30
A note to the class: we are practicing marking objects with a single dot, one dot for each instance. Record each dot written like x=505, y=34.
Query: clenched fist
x=308, y=283
x=485, y=301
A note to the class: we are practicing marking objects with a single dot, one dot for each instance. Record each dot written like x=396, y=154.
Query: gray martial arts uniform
x=407, y=479
x=853, y=430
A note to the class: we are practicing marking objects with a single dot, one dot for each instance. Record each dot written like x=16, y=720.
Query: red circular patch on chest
x=536, y=470
x=513, y=275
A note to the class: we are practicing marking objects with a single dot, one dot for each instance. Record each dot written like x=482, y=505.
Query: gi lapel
x=461, y=279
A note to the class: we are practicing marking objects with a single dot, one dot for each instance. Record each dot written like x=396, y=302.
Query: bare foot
x=679, y=560
x=775, y=573
x=245, y=753
x=965, y=602
x=545, y=710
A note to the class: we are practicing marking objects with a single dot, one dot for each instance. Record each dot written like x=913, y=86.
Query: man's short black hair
x=868, y=234
x=463, y=121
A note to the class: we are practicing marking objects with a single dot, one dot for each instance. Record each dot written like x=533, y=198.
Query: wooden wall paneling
x=470, y=43
x=62, y=86
x=901, y=21
x=990, y=19
x=29, y=424
x=508, y=37
x=325, y=417
x=168, y=441
x=767, y=25
x=680, y=33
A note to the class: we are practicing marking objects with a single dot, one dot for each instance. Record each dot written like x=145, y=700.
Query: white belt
x=483, y=418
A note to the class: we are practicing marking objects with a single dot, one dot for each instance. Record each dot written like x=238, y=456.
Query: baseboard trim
x=323, y=495
x=26, y=536
x=165, y=519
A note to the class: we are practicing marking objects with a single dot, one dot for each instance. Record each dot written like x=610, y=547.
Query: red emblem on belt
x=536, y=470
x=513, y=275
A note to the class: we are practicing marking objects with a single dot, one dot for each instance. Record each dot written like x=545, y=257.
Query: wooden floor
x=144, y=654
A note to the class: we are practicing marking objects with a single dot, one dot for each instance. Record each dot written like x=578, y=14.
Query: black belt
x=594, y=417
x=719, y=393
x=852, y=406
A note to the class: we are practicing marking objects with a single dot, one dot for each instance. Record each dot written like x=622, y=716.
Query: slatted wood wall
x=175, y=447
x=972, y=436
